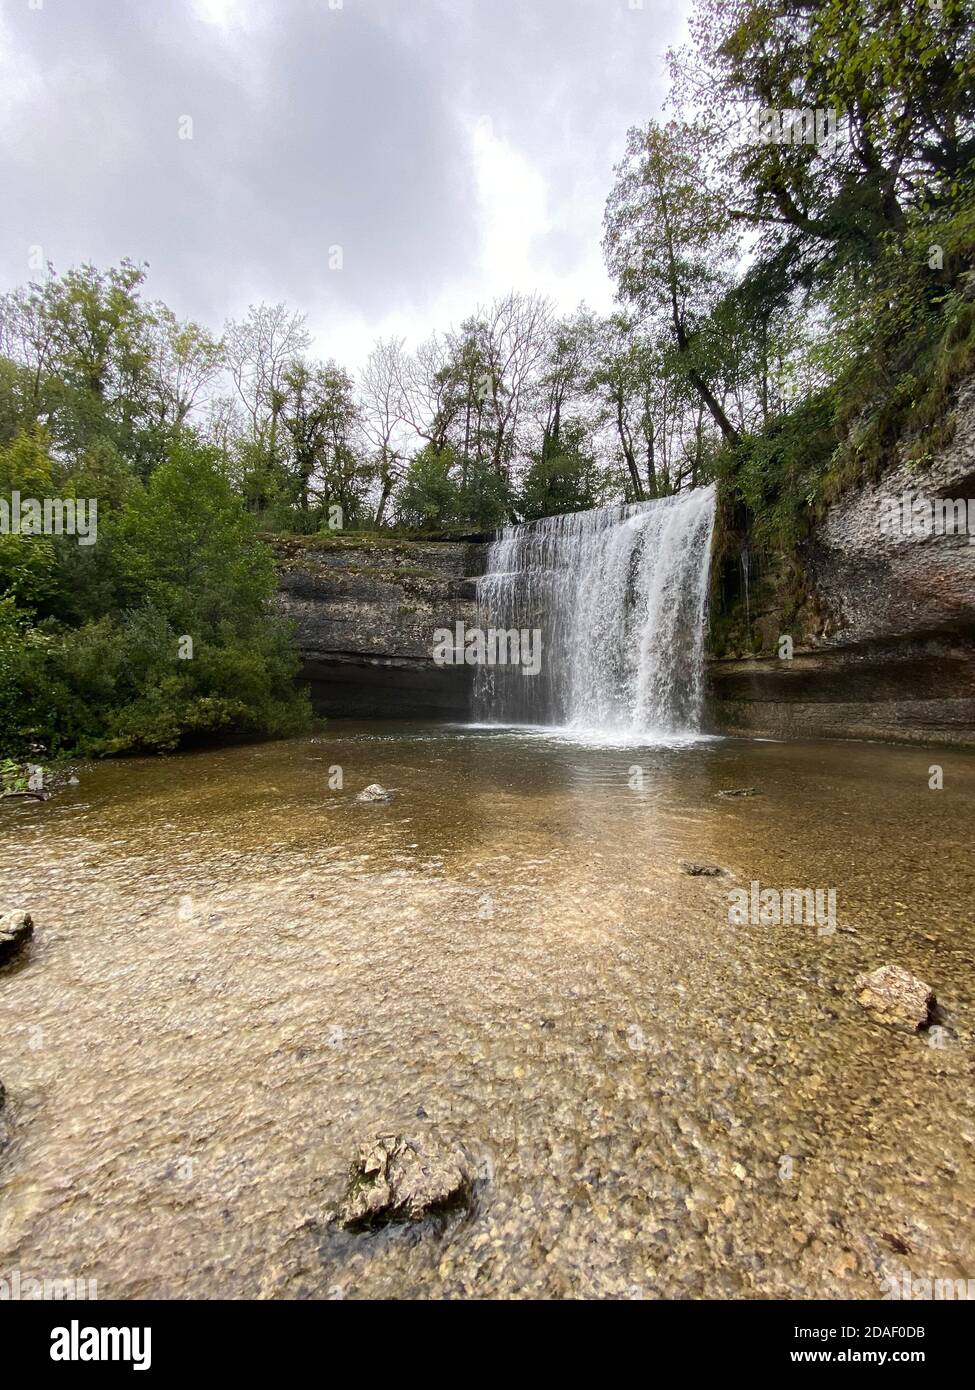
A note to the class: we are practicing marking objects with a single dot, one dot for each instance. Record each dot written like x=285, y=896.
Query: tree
x=85, y=342
x=429, y=390
x=900, y=78
x=564, y=475
x=668, y=240
x=560, y=392
x=515, y=332
x=28, y=571
x=185, y=361
x=430, y=497
x=319, y=415
x=260, y=348
x=383, y=410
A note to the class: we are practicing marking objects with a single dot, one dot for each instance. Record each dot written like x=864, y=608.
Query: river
x=239, y=972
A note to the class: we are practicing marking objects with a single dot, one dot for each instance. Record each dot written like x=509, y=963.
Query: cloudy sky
x=452, y=149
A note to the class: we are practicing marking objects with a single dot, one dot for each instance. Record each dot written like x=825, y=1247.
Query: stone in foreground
x=374, y=792
x=16, y=928
x=400, y=1179
x=696, y=870
x=894, y=996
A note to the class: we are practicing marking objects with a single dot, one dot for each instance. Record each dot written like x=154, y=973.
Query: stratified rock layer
x=893, y=656
x=365, y=615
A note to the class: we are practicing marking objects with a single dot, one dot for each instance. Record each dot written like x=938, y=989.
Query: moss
x=335, y=541
x=916, y=417
x=774, y=487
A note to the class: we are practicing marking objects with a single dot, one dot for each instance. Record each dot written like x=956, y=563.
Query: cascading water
x=619, y=595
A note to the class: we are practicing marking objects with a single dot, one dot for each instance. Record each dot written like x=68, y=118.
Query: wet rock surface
x=396, y=1178
x=374, y=792
x=890, y=653
x=4, y=1119
x=877, y=582
x=892, y=995
x=16, y=929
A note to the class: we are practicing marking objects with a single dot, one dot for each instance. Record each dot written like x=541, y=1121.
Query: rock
x=4, y=1123
x=364, y=612
x=405, y=1179
x=690, y=866
x=374, y=792
x=739, y=791
x=892, y=995
x=15, y=929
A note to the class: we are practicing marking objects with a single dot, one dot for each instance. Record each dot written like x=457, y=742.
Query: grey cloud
x=314, y=128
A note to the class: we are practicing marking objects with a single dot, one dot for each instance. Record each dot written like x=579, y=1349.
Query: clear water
x=239, y=973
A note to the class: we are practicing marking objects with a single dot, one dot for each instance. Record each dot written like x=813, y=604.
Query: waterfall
x=619, y=595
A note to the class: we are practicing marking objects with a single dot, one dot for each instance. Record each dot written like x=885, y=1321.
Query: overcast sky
x=452, y=149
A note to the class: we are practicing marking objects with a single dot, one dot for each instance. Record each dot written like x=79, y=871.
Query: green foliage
x=27, y=563
x=180, y=559
x=485, y=501
x=185, y=544
x=902, y=338
x=430, y=496
x=563, y=477
x=777, y=476
x=13, y=776
x=118, y=685
x=13, y=712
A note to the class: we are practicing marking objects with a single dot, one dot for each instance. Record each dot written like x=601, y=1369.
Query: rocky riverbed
x=242, y=977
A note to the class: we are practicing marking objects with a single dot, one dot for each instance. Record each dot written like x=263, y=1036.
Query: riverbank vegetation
x=802, y=236
x=160, y=632
x=793, y=250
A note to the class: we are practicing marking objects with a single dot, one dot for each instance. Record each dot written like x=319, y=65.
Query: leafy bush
x=430, y=496
x=191, y=648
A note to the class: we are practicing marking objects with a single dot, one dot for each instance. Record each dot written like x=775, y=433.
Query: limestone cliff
x=886, y=645
x=365, y=613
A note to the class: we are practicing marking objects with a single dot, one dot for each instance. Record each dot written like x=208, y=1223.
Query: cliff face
x=892, y=653
x=887, y=650
x=365, y=614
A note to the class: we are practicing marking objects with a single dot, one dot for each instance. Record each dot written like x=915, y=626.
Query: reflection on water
x=239, y=972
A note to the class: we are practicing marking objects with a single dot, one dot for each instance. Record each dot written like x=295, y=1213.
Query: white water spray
x=620, y=595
